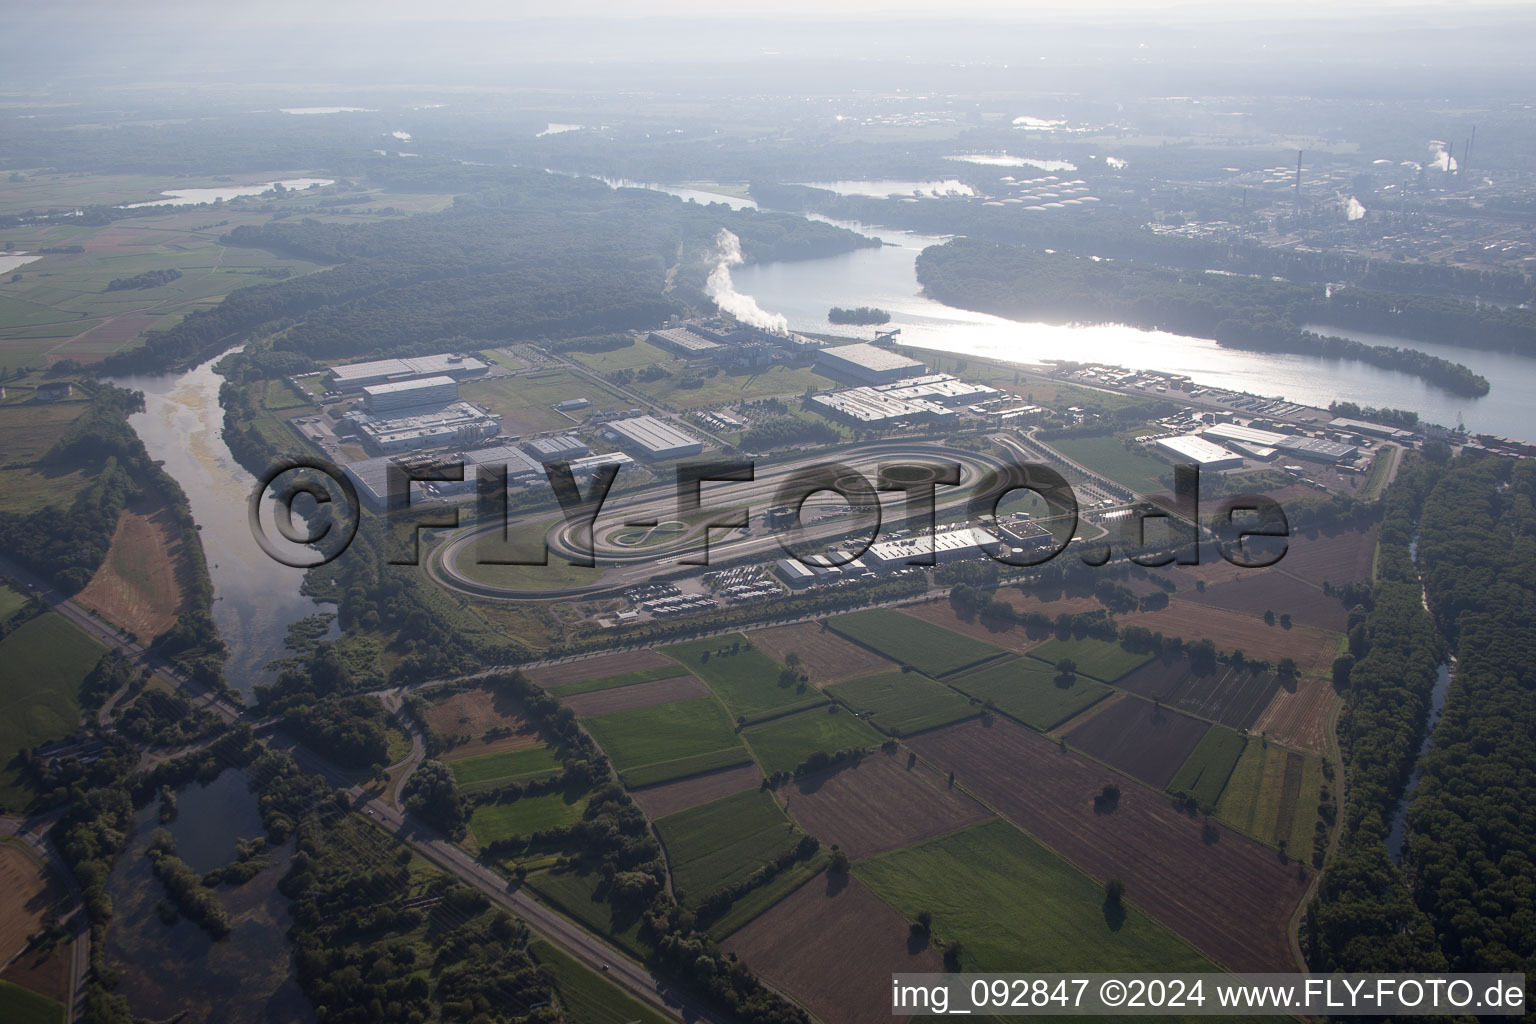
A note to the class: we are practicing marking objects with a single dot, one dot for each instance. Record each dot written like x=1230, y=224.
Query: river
x=803, y=291
x=255, y=598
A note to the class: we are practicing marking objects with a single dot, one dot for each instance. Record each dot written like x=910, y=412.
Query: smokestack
x=1467, y=158
x=1298, y=179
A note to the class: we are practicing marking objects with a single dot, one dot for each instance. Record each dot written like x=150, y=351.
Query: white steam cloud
x=1440, y=158
x=723, y=290
x=1354, y=209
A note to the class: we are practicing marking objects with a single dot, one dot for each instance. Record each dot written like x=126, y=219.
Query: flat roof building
x=410, y=394
x=1203, y=453
x=867, y=364
x=592, y=463
x=458, y=423
x=1299, y=445
x=940, y=388
x=685, y=341
x=556, y=449
x=652, y=438
x=944, y=546
x=872, y=406
x=1370, y=429
x=356, y=376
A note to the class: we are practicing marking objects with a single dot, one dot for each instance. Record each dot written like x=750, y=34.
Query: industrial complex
x=867, y=364
x=357, y=376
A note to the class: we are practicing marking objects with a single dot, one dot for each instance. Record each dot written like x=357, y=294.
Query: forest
x=1471, y=849
x=1241, y=312
x=537, y=255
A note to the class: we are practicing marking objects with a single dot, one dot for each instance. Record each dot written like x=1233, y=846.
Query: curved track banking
x=630, y=564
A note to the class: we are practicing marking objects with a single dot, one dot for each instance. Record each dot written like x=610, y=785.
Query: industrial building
x=410, y=394
x=866, y=364
x=1191, y=448
x=940, y=388
x=556, y=449
x=689, y=341
x=459, y=423
x=652, y=438
x=1297, y=445
x=1370, y=429
x=872, y=407
x=945, y=546
x=592, y=463
x=371, y=478
x=356, y=376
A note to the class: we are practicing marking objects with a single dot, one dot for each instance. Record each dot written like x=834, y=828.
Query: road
x=34, y=833
x=543, y=920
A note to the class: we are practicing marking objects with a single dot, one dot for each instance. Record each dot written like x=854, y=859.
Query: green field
x=491, y=770
x=1015, y=906
x=630, y=357
x=932, y=650
x=783, y=743
x=1106, y=455
x=574, y=894
x=23, y=1006
x=1026, y=689
x=756, y=901
x=644, y=675
x=526, y=815
x=585, y=996
x=42, y=665
x=720, y=843
x=724, y=388
x=11, y=601
x=668, y=741
x=525, y=401
x=747, y=681
x=525, y=544
x=903, y=703
x=1254, y=800
x=1100, y=659
x=1204, y=775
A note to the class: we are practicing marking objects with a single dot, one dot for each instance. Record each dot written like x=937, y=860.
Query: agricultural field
x=878, y=804
x=605, y=667
x=671, y=797
x=1140, y=738
x=1313, y=649
x=629, y=357
x=30, y=429
x=63, y=308
x=22, y=1006
x=1277, y=591
x=1239, y=912
x=1027, y=690
x=584, y=996
x=1273, y=796
x=474, y=774
x=525, y=400
x=643, y=675
x=574, y=894
x=828, y=657
x=1343, y=557
x=1232, y=696
x=635, y=695
x=719, y=844
x=1107, y=455
x=828, y=921
x=668, y=741
x=782, y=744
x=42, y=665
x=932, y=650
x=139, y=584
x=746, y=679
x=26, y=895
x=1204, y=775
x=1298, y=714
x=902, y=703
x=525, y=816
x=477, y=722
x=1103, y=660
x=1016, y=906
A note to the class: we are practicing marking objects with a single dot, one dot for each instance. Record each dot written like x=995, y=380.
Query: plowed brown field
x=829, y=657
x=1231, y=898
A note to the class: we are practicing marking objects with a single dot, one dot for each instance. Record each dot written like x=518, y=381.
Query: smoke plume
x=723, y=290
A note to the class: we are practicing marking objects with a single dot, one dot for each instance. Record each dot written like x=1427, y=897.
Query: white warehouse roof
x=1198, y=450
